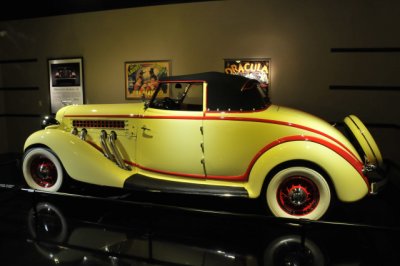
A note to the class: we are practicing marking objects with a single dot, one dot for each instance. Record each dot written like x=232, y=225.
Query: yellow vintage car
x=208, y=134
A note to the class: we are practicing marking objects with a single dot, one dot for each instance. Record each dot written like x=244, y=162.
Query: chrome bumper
x=376, y=187
x=378, y=178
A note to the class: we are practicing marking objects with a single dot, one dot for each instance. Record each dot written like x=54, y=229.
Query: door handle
x=145, y=128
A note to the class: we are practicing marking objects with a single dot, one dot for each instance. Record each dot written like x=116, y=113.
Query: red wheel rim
x=298, y=195
x=44, y=172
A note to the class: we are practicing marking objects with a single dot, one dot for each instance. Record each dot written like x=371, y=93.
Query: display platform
x=98, y=226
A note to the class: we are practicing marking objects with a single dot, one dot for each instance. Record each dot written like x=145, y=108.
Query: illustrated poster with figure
x=258, y=69
x=142, y=78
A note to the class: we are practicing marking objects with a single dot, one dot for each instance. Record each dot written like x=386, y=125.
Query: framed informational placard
x=141, y=78
x=257, y=68
x=66, y=82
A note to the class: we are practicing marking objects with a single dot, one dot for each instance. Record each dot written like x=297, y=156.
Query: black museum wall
x=330, y=59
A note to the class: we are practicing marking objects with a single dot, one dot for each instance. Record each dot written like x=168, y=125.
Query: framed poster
x=66, y=82
x=141, y=78
x=258, y=68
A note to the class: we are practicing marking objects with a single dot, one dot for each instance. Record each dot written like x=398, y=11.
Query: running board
x=141, y=182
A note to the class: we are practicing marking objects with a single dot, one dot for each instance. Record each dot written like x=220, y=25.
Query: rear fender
x=348, y=183
x=81, y=160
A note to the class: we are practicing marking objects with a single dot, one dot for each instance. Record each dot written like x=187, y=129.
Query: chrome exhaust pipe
x=104, y=145
x=83, y=134
x=118, y=158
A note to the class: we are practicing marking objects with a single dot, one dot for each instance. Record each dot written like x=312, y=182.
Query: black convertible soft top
x=226, y=92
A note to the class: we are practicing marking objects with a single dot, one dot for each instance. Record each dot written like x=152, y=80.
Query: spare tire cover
x=364, y=139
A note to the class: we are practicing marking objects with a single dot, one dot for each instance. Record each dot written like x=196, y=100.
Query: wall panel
x=298, y=36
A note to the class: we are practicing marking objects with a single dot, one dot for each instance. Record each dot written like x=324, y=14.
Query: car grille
x=115, y=124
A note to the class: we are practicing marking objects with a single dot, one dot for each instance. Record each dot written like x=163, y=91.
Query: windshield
x=185, y=96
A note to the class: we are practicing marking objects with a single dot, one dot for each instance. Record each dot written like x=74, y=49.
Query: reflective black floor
x=111, y=227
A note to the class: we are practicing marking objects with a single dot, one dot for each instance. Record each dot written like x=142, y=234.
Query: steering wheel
x=170, y=103
x=166, y=103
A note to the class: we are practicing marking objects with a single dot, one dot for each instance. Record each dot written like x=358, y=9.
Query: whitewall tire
x=298, y=192
x=42, y=170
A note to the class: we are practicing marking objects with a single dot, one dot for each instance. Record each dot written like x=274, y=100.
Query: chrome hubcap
x=43, y=172
x=298, y=195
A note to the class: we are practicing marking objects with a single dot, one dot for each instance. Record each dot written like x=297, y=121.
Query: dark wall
x=304, y=39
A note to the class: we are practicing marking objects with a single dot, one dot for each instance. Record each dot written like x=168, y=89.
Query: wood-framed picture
x=141, y=78
x=254, y=68
x=66, y=82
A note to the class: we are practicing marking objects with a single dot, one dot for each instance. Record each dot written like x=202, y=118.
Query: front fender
x=348, y=183
x=81, y=160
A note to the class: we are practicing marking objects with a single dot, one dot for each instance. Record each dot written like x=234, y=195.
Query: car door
x=170, y=142
x=233, y=133
x=230, y=145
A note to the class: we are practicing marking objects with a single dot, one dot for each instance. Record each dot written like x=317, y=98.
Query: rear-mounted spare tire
x=365, y=143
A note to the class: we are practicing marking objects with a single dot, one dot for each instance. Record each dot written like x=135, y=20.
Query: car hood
x=104, y=110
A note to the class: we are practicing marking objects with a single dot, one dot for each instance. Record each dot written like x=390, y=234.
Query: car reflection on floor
x=49, y=229
x=109, y=228
x=85, y=242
